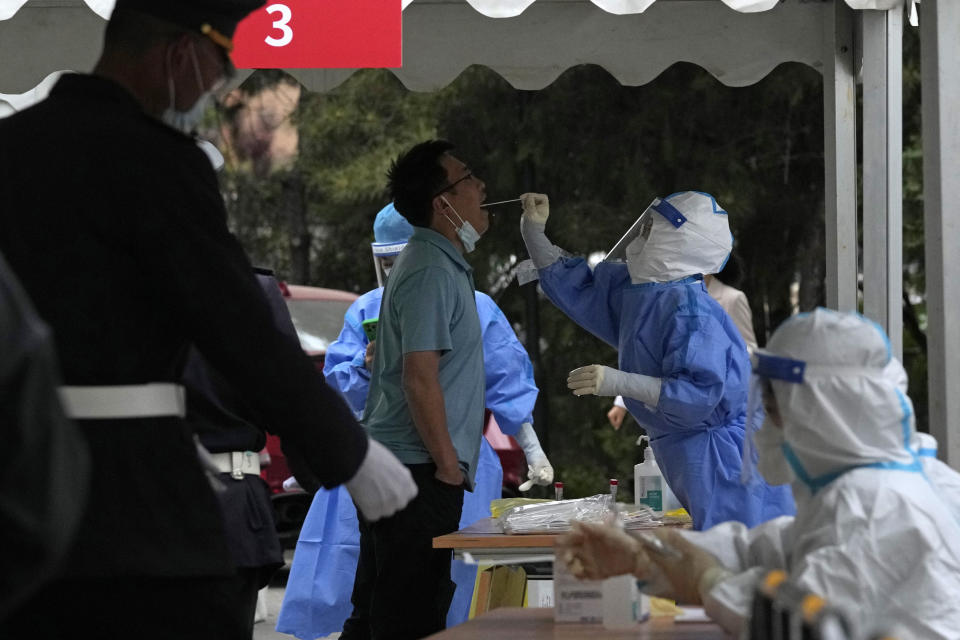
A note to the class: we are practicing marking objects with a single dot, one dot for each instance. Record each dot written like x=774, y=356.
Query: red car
x=317, y=315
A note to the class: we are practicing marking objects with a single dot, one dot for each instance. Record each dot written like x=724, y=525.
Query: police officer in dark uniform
x=44, y=464
x=113, y=222
x=227, y=428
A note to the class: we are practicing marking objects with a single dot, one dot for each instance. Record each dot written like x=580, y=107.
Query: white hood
x=848, y=411
x=690, y=235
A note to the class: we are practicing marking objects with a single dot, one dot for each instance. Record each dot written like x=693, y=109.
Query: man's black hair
x=415, y=178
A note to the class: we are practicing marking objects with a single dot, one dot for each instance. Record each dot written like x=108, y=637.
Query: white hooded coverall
x=873, y=534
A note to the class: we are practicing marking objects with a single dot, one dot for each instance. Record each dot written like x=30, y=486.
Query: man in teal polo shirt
x=426, y=396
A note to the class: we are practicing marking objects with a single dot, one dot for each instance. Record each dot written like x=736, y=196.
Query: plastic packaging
x=556, y=516
x=500, y=505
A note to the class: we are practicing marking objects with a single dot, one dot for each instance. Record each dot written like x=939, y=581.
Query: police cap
x=216, y=19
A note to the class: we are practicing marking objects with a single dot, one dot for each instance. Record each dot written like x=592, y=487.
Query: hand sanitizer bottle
x=649, y=485
x=648, y=482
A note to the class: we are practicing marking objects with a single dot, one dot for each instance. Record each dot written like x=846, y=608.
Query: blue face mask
x=465, y=232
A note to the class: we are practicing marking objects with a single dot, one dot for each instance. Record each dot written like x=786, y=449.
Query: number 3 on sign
x=281, y=24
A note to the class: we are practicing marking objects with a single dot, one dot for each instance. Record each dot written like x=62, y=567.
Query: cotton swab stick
x=493, y=204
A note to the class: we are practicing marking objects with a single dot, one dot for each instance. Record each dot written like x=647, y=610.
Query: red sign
x=320, y=34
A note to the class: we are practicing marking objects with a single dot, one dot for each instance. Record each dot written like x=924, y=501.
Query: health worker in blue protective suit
x=683, y=367
x=317, y=598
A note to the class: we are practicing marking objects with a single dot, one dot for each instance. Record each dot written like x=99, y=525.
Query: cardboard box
x=582, y=600
x=539, y=593
x=575, y=600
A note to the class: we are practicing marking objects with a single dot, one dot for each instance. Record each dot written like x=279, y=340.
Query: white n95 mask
x=466, y=232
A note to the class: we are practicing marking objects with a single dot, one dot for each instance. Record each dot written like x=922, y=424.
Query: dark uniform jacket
x=223, y=420
x=44, y=465
x=116, y=228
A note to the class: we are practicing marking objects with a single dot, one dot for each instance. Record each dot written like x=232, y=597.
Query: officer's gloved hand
x=599, y=380
x=536, y=207
x=539, y=470
x=382, y=485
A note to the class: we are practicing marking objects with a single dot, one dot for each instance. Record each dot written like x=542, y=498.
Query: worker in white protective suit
x=943, y=477
x=872, y=534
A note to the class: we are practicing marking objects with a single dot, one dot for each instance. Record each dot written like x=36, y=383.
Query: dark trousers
x=403, y=589
x=142, y=608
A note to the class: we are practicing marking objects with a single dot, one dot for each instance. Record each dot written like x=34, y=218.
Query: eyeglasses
x=467, y=176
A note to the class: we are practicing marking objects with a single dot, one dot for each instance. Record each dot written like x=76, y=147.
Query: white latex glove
x=291, y=484
x=691, y=575
x=539, y=470
x=596, y=551
x=382, y=485
x=536, y=207
x=599, y=380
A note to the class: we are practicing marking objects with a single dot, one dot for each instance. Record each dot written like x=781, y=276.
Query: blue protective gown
x=317, y=598
x=676, y=332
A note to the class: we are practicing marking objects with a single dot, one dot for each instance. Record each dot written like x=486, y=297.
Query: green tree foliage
x=914, y=284
x=602, y=152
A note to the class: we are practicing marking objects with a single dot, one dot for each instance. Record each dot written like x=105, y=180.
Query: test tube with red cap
x=614, y=485
x=558, y=491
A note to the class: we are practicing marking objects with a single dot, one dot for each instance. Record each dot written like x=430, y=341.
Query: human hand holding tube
x=595, y=552
x=675, y=569
x=539, y=470
x=598, y=380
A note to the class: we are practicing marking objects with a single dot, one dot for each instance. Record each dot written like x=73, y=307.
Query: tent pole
x=840, y=162
x=883, y=172
x=939, y=53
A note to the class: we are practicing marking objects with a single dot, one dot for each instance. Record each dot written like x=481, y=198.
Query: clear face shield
x=763, y=439
x=635, y=237
x=384, y=255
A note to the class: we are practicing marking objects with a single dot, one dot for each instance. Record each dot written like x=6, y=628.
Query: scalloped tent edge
x=510, y=8
x=736, y=48
x=443, y=37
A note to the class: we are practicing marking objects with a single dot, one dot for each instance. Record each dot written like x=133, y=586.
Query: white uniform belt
x=237, y=463
x=153, y=400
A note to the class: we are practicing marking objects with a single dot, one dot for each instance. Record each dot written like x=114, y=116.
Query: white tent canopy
x=738, y=41
x=504, y=8
x=531, y=42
